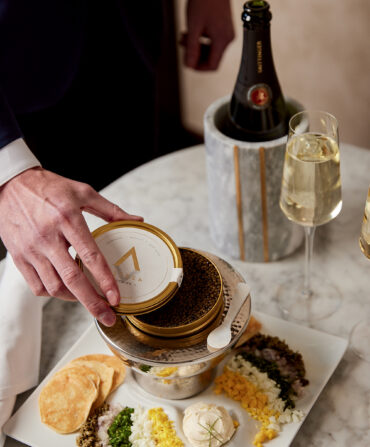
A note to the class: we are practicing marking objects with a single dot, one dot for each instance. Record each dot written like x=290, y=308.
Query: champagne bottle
x=257, y=110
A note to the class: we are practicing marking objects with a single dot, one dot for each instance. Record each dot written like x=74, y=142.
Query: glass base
x=359, y=340
x=324, y=300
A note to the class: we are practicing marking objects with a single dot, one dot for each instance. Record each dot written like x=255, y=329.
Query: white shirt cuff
x=15, y=158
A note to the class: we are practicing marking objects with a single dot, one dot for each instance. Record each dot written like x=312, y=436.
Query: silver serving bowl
x=177, y=372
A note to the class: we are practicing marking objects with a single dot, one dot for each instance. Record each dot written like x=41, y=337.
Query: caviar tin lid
x=145, y=262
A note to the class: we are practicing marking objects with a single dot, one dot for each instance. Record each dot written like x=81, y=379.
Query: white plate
x=321, y=353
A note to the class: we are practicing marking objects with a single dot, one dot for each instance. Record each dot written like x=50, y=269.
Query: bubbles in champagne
x=311, y=186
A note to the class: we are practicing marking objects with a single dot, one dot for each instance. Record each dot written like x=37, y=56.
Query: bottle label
x=259, y=96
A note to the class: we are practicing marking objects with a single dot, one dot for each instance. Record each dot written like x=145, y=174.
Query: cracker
x=111, y=361
x=83, y=370
x=66, y=400
x=106, y=377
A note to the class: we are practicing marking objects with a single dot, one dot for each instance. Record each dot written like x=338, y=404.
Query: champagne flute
x=364, y=240
x=310, y=196
x=360, y=334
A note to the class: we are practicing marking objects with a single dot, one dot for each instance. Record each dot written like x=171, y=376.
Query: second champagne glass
x=310, y=196
x=360, y=334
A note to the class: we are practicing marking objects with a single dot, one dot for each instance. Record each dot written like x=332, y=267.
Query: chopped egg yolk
x=252, y=400
x=165, y=372
x=163, y=431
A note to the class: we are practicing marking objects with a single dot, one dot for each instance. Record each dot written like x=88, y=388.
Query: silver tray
x=120, y=339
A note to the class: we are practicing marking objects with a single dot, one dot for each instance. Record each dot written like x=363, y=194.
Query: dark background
x=123, y=107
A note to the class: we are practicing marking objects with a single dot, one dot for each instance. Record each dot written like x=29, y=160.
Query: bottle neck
x=257, y=52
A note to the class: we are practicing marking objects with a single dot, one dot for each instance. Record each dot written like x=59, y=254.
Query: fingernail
x=113, y=297
x=107, y=318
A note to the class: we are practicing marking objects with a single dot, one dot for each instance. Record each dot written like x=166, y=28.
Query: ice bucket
x=244, y=181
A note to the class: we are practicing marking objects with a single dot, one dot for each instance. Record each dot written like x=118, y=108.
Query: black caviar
x=197, y=295
x=274, y=357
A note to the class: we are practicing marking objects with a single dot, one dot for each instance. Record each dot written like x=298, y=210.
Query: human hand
x=41, y=217
x=210, y=30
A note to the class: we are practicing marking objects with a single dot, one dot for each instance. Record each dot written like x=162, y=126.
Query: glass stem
x=309, y=236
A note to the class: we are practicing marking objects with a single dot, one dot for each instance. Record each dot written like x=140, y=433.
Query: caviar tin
x=145, y=262
x=179, y=341
x=199, y=326
x=195, y=361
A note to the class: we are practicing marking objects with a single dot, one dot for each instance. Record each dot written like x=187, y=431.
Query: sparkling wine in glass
x=360, y=334
x=310, y=196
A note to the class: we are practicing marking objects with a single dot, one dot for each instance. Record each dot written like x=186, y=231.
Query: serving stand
x=172, y=372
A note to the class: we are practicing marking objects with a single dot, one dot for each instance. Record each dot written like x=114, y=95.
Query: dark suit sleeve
x=9, y=128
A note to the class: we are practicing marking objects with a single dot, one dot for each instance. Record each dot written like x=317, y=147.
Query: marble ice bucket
x=244, y=181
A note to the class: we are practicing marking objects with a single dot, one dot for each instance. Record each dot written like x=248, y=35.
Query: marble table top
x=171, y=193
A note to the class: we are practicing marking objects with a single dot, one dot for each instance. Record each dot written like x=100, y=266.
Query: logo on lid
x=126, y=275
x=259, y=96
